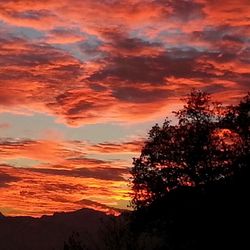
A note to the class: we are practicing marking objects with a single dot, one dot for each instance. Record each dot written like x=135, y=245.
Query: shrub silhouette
x=74, y=243
x=210, y=142
x=190, y=184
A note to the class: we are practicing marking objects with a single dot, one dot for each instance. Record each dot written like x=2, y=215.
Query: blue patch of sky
x=21, y=32
x=84, y=50
x=162, y=39
x=25, y=32
x=35, y=127
x=32, y=14
x=141, y=34
x=22, y=162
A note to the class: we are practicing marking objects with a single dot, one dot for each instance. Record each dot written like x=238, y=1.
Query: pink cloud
x=87, y=62
x=129, y=64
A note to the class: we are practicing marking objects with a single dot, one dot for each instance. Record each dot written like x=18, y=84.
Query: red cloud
x=128, y=59
x=47, y=151
x=65, y=176
x=234, y=13
x=112, y=148
x=102, y=61
x=45, y=15
x=48, y=193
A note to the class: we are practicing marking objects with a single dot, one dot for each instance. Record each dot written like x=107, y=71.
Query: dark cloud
x=119, y=41
x=31, y=14
x=6, y=179
x=123, y=61
x=63, y=187
x=233, y=38
x=137, y=95
x=102, y=173
x=141, y=69
x=109, y=147
x=180, y=63
x=87, y=161
x=187, y=10
x=79, y=107
x=15, y=143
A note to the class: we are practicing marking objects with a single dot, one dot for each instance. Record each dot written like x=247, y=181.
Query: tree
x=208, y=144
x=74, y=243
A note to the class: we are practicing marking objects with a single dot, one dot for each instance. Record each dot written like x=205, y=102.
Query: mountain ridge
x=51, y=231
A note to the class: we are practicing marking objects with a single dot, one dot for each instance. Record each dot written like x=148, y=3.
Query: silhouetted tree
x=74, y=243
x=208, y=144
x=115, y=233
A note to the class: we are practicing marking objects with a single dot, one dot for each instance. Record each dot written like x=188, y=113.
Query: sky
x=82, y=82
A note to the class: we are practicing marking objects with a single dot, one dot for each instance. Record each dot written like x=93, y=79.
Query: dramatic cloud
x=31, y=192
x=98, y=67
x=69, y=155
x=119, y=62
x=54, y=175
x=47, y=151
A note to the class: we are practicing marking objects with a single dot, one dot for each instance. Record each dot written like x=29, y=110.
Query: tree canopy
x=208, y=143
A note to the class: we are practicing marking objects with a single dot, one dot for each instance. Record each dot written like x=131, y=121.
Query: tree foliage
x=208, y=143
x=74, y=243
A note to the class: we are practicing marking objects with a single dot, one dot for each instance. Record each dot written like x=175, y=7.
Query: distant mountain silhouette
x=100, y=207
x=50, y=232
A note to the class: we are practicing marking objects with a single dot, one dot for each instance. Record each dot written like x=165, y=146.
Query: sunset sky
x=82, y=81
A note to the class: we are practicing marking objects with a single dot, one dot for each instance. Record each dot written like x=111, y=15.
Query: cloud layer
x=120, y=62
x=109, y=60
x=62, y=176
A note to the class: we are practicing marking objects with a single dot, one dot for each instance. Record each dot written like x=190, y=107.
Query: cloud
x=47, y=14
x=5, y=179
x=25, y=15
x=69, y=158
x=88, y=62
x=112, y=148
x=64, y=174
x=187, y=11
x=102, y=67
x=36, y=192
x=110, y=173
x=119, y=43
x=234, y=13
x=60, y=153
x=46, y=151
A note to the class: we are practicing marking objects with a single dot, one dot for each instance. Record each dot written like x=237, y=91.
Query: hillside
x=50, y=232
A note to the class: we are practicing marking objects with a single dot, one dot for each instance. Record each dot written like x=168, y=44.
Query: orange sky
x=82, y=81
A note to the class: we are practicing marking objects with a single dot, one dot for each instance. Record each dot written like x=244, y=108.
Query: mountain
x=50, y=232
